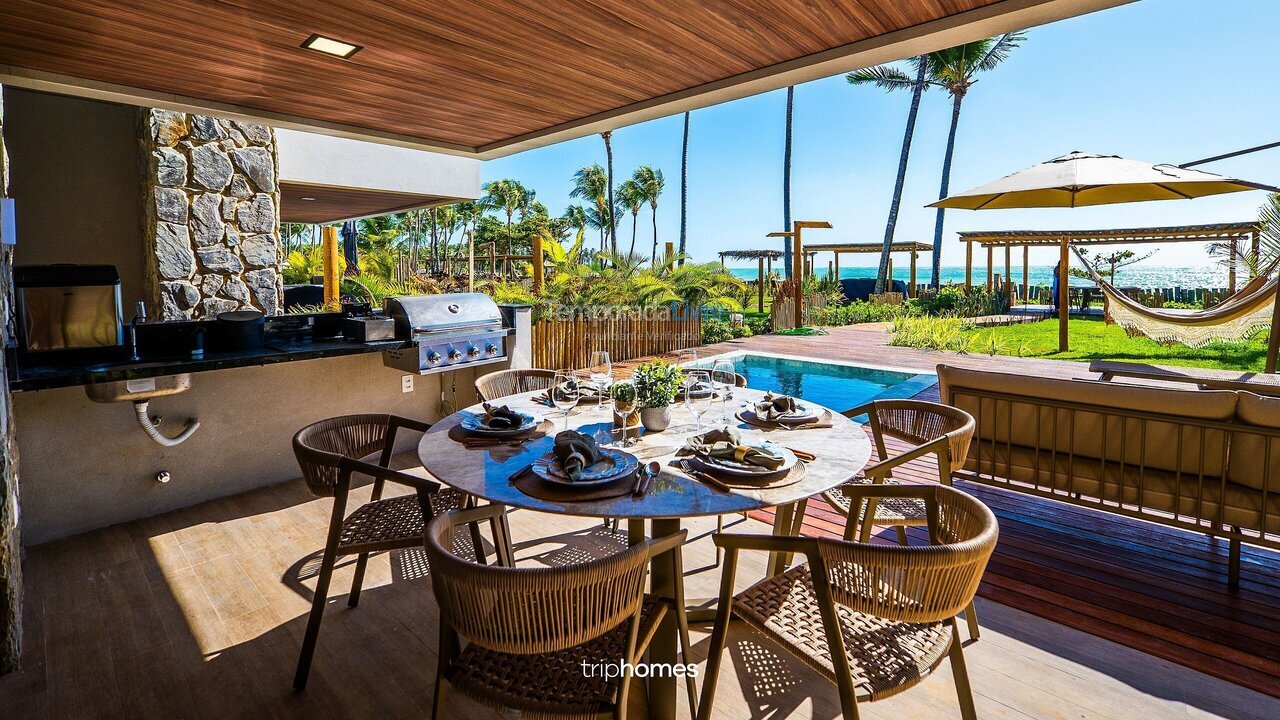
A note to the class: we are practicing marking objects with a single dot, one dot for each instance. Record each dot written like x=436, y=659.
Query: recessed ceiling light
x=329, y=46
x=307, y=199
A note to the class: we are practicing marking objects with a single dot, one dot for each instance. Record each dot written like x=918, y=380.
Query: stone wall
x=10, y=542
x=211, y=221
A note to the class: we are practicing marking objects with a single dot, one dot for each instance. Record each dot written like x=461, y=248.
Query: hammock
x=1234, y=319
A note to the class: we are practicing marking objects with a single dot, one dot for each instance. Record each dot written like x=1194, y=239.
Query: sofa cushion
x=1252, y=452
x=1111, y=432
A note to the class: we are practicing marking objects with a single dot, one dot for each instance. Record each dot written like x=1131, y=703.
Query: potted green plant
x=656, y=384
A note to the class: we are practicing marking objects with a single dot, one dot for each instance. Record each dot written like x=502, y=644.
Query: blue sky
x=1156, y=80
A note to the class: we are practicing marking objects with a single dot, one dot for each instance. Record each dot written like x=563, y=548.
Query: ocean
x=1209, y=275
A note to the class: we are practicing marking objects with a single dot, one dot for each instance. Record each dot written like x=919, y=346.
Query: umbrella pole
x=1063, y=310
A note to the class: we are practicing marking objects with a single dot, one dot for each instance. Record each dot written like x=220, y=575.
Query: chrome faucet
x=139, y=316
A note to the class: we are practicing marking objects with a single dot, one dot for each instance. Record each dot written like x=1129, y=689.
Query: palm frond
x=1000, y=49
x=885, y=77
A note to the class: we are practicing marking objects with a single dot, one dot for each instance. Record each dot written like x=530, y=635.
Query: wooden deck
x=1152, y=588
x=199, y=613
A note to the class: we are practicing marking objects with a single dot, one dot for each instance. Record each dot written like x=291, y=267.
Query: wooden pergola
x=763, y=258
x=1232, y=233
x=914, y=248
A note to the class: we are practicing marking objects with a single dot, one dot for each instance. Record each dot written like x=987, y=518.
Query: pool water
x=836, y=386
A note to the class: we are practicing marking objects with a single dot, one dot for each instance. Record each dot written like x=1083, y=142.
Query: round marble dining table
x=841, y=451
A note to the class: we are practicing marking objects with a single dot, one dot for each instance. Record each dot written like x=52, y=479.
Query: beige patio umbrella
x=1080, y=178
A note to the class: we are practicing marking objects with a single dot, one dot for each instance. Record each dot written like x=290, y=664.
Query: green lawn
x=1092, y=339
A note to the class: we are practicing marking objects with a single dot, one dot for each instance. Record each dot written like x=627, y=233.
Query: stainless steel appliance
x=448, y=331
x=64, y=308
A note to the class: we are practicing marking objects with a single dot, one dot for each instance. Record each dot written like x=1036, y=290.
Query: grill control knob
x=455, y=354
x=473, y=352
x=490, y=349
x=433, y=357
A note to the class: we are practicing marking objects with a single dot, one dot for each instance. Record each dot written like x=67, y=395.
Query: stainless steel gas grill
x=448, y=331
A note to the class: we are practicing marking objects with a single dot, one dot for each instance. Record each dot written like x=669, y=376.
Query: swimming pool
x=838, y=386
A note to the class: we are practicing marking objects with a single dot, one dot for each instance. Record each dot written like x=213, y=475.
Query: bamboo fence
x=569, y=342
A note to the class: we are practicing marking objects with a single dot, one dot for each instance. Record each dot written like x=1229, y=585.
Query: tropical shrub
x=858, y=311
x=952, y=300
x=930, y=333
x=715, y=330
x=760, y=325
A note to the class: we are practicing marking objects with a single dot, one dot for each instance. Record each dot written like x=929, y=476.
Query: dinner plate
x=474, y=423
x=743, y=469
x=801, y=415
x=614, y=464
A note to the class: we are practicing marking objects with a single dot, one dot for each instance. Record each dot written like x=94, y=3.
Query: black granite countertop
x=276, y=350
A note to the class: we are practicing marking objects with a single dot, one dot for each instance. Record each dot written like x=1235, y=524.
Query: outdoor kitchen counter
x=44, y=377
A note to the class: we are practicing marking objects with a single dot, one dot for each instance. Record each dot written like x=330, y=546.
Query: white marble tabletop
x=842, y=450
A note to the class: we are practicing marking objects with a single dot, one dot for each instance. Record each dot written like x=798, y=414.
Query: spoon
x=651, y=471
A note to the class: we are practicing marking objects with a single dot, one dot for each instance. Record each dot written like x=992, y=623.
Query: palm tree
x=613, y=221
x=575, y=216
x=651, y=183
x=508, y=196
x=684, y=188
x=591, y=183
x=891, y=78
x=955, y=70
x=631, y=196
x=786, y=183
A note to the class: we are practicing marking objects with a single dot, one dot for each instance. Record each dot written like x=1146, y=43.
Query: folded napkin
x=727, y=444
x=583, y=390
x=775, y=407
x=576, y=452
x=502, y=417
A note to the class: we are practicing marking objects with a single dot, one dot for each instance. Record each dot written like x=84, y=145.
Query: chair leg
x=313, y=622
x=358, y=582
x=1233, y=563
x=961, y=674
x=437, y=705
x=971, y=618
x=902, y=535
x=719, y=638
x=719, y=529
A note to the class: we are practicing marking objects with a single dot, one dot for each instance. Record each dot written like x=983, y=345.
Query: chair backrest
x=509, y=382
x=917, y=583
x=722, y=376
x=532, y=610
x=320, y=446
x=919, y=422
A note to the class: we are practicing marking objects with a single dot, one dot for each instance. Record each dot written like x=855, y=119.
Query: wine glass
x=686, y=358
x=564, y=393
x=601, y=372
x=698, y=402
x=725, y=378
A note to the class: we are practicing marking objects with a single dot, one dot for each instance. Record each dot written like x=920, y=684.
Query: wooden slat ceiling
x=317, y=204
x=468, y=75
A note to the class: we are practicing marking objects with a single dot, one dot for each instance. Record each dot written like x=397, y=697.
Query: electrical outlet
x=406, y=383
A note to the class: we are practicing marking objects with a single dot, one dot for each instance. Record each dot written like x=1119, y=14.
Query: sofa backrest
x=1255, y=458
x=1141, y=426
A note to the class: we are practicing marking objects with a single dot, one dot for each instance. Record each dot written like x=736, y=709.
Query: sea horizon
x=1210, y=276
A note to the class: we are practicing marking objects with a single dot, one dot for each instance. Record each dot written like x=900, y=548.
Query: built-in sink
x=138, y=389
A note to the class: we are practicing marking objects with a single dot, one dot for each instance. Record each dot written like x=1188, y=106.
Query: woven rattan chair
x=329, y=453
x=874, y=619
x=510, y=382
x=933, y=429
x=530, y=630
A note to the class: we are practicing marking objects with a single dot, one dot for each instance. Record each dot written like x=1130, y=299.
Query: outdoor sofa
x=1203, y=460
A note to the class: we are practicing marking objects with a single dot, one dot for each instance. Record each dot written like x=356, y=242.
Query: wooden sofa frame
x=984, y=465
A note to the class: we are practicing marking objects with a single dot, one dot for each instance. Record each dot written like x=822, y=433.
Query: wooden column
x=1026, y=278
x=471, y=262
x=1064, y=312
x=1231, y=269
x=722, y=261
x=329, y=256
x=991, y=261
x=889, y=277
x=831, y=269
x=760, y=289
x=670, y=251
x=968, y=266
x=768, y=266
x=911, y=289
x=1256, y=246
x=493, y=261
x=797, y=254
x=537, y=264
x=1008, y=267
x=837, y=264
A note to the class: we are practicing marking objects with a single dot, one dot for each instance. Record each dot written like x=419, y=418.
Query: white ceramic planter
x=656, y=419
